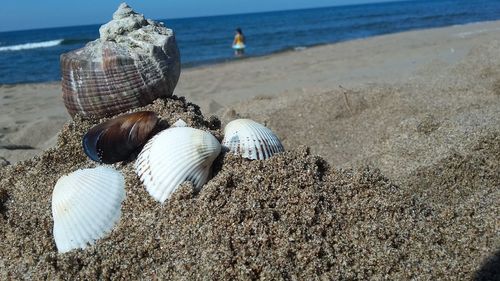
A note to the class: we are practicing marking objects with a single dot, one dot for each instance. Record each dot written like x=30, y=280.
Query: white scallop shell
x=85, y=206
x=176, y=155
x=251, y=139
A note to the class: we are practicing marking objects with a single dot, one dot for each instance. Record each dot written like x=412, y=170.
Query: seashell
x=116, y=139
x=85, y=206
x=134, y=62
x=251, y=140
x=179, y=123
x=176, y=155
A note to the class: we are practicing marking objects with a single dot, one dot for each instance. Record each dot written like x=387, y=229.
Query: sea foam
x=34, y=45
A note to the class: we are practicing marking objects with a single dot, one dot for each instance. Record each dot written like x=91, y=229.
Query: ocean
x=33, y=55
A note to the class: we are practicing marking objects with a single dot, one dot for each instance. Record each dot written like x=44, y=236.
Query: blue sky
x=32, y=14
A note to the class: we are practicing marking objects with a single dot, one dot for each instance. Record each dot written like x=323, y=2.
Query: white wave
x=35, y=45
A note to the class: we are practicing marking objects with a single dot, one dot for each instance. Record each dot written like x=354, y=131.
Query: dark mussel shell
x=116, y=139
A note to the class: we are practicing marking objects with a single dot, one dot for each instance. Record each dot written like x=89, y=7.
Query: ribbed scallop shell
x=251, y=140
x=134, y=62
x=85, y=206
x=176, y=155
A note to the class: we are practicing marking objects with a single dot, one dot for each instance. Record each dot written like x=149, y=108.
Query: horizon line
x=217, y=15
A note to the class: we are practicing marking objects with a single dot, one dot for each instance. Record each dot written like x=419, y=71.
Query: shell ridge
x=98, y=223
x=174, y=156
x=92, y=225
x=86, y=205
x=255, y=141
x=270, y=141
x=175, y=178
x=202, y=176
x=189, y=172
x=266, y=143
x=259, y=141
x=275, y=144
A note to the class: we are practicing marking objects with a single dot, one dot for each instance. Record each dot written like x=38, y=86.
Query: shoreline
x=289, y=50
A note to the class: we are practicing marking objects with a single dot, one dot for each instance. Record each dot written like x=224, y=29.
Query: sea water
x=33, y=55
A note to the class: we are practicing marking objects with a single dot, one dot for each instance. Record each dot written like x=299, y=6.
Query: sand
x=394, y=175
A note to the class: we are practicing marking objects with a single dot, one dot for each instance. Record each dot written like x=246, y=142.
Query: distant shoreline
x=209, y=64
x=33, y=55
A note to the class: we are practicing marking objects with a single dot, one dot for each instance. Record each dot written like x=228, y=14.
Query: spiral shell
x=176, y=155
x=134, y=62
x=250, y=139
x=85, y=206
x=116, y=139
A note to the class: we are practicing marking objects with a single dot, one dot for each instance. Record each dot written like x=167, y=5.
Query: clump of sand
x=289, y=217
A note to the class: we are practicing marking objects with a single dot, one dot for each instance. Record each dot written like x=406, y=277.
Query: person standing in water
x=239, y=43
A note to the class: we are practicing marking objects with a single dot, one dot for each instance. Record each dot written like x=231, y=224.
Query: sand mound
x=289, y=217
x=397, y=127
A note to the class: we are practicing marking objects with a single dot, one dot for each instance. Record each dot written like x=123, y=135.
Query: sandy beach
x=258, y=88
x=400, y=178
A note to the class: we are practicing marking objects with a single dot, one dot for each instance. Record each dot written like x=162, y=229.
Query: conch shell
x=134, y=62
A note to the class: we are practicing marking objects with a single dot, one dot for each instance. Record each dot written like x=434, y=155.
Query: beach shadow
x=490, y=270
x=4, y=197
